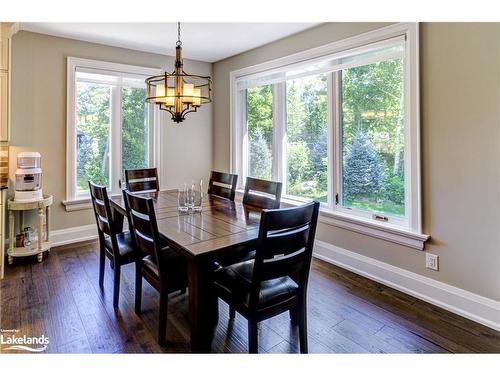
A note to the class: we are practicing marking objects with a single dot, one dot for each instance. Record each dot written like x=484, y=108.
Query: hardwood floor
x=347, y=313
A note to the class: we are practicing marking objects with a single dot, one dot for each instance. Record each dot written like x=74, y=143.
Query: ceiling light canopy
x=179, y=93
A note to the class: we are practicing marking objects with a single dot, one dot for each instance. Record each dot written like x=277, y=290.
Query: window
x=338, y=124
x=260, y=131
x=109, y=124
x=306, y=136
x=372, y=141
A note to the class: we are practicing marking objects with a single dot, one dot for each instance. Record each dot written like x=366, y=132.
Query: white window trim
x=76, y=201
x=411, y=235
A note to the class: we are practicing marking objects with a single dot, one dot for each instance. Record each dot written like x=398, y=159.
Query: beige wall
x=460, y=106
x=39, y=115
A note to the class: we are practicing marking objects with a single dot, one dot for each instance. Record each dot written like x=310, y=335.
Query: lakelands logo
x=14, y=341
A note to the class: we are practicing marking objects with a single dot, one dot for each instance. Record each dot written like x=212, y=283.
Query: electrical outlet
x=432, y=261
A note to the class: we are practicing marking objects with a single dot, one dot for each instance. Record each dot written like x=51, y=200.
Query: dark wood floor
x=347, y=314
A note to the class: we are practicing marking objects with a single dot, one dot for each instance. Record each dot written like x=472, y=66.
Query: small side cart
x=39, y=246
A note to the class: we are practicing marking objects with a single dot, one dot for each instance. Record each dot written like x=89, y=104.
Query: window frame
x=410, y=228
x=74, y=199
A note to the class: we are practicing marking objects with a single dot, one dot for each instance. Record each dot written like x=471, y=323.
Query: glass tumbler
x=197, y=200
x=182, y=197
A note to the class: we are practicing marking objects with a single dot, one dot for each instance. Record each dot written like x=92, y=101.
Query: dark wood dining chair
x=145, y=179
x=113, y=243
x=262, y=193
x=276, y=280
x=161, y=266
x=223, y=185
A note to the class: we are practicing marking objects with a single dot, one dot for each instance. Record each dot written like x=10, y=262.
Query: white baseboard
x=67, y=236
x=459, y=301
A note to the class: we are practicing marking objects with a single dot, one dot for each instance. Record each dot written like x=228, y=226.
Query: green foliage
x=394, y=189
x=363, y=175
x=299, y=165
x=260, y=131
x=260, y=156
x=372, y=104
x=93, y=126
x=93, y=122
x=307, y=137
x=134, y=129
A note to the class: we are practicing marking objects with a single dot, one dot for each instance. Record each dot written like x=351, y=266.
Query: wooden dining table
x=218, y=230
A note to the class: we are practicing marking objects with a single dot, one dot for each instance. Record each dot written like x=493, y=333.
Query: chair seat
x=125, y=246
x=234, y=283
x=237, y=256
x=173, y=264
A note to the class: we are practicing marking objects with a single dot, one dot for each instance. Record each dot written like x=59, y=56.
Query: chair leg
x=102, y=263
x=162, y=319
x=253, y=339
x=138, y=286
x=116, y=285
x=302, y=318
x=232, y=312
x=293, y=315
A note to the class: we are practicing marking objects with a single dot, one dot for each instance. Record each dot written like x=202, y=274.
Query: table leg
x=40, y=233
x=203, y=307
x=47, y=223
x=21, y=220
x=12, y=238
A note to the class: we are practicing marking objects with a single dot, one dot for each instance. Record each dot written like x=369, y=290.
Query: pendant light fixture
x=179, y=93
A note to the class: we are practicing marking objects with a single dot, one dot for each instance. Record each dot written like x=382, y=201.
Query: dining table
x=221, y=228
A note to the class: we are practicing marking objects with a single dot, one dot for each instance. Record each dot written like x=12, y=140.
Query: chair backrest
x=142, y=223
x=145, y=179
x=285, y=245
x=223, y=185
x=262, y=193
x=102, y=209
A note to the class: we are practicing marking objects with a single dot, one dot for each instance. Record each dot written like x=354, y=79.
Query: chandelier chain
x=178, y=34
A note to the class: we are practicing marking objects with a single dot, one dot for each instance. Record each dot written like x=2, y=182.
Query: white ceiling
x=201, y=41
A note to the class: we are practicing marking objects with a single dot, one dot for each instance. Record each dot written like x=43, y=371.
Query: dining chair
x=139, y=180
x=114, y=244
x=276, y=280
x=161, y=266
x=262, y=193
x=223, y=185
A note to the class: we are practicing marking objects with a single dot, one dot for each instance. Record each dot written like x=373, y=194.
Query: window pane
x=135, y=137
x=260, y=131
x=372, y=141
x=306, y=128
x=92, y=134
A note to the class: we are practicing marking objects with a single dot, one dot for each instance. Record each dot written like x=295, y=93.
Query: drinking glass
x=190, y=195
x=182, y=196
x=197, y=200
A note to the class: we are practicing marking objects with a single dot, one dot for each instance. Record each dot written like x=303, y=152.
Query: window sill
x=364, y=226
x=77, y=204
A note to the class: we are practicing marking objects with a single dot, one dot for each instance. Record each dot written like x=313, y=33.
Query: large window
x=109, y=124
x=372, y=138
x=339, y=126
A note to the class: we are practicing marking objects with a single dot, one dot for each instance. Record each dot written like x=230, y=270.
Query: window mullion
x=279, y=133
x=115, y=160
x=242, y=163
x=336, y=149
x=331, y=113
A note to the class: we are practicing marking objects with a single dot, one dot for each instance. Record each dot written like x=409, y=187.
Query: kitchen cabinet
x=5, y=71
x=4, y=106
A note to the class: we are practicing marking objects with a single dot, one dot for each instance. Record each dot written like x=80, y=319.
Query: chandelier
x=179, y=93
